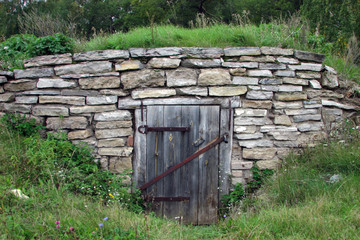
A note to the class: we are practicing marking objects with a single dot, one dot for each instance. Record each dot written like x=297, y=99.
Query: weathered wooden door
x=190, y=192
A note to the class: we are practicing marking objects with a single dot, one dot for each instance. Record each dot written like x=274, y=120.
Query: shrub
x=21, y=124
x=56, y=44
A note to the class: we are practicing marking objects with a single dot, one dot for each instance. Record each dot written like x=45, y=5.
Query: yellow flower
x=111, y=195
x=109, y=181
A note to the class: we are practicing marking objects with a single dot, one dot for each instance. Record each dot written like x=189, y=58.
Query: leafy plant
x=56, y=44
x=20, y=124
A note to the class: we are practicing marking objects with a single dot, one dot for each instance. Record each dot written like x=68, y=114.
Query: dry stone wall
x=281, y=98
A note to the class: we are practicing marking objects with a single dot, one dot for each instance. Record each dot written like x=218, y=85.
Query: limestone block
x=26, y=99
x=290, y=88
x=2, y=89
x=248, y=112
x=79, y=92
x=257, y=104
x=285, y=73
x=310, y=138
x=292, y=112
x=277, y=128
x=115, y=92
x=268, y=164
x=129, y=65
x=256, y=143
x=128, y=103
x=309, y=56
x=307, y=67
x=308, y=75
x=13, y=107
x=164, y=63
x=71, y=100
x=245, y=121
x=118, y=115
x=99, y=82
x=143, y=78
x=282, y=120
x=254, y=87
x=113, y=133
x=112, y=142
x=87, y=75
x=240, y=64
x=248, y=136
x=80, y=134
x=245, y=81
x=243, y=165
x=41, y=92
x=152, y=93
x=84, y=68
x=47, y=60
x=289, y=105
x=329, y=103
x=284, y=136
x=227, y=91
x=257, y=59
x=240, y=51
x=33, y=73
x=259, y=153
x=312, y=104
x=54, y=83
x=329, y=78
x=271, y=88
x=56, y=123
x=181, y=77
x=315, y=84
x=310, y=126
x=7, y=74
x=244, y=129
x=271, y=81
x=197, y=91
x=287, y=60
x=295, y=81
x=276, y=51
x=3, y=79
x=119, y=165
x=260, y=73
x=201, y=63
x=113, y=124
x=92, y=109
x=237, y=71
x=7, y=97
x=259, y=95
x=55, y=111
x=99, y=100
x=294, y=96
x=287, y=144
x=101, y=55
x=304, y=118
x=196, y=52
x=20, y=85
x=155, y=52
x=215, y=76
x=119, y=151
x=272, y=66
x=324, y=94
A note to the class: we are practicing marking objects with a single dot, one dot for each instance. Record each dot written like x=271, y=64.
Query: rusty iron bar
x=208, y=146
x=230, y=115
x=166, y=199
x=145, y=129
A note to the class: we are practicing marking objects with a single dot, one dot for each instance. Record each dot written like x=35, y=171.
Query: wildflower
x=109, y=181
x=57, y=226
x=225, y=216
x=57, y=222
x=106, y=218
x=72, y=229
x=101, y=225
x=112, y=196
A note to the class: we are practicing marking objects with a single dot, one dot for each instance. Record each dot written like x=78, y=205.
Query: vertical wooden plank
x=154, y=153
x=208, y=166
x=225, y=152
x=190, y=172
x=139, y=165
x=172, y=156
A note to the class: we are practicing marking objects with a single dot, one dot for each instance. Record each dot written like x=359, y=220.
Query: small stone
x=112, y=142
x=3, y=79
x=113, y=124
x=119, y=115
x=128, y=103
x=277, y=128
x=239, y=51
x=256, y=143
x=55, y=111
x=26, y=99
x=290, y=105
x=271, y=81
x=164, y=63
x=72, y=100
x=245, y=81
x=259, y=153
x=276, y=51
x=287, y=60
x=285, y=73
x=99, y=82
x=215, y=76
x=92, y=109
x=83, y=68
x=292, y=112
x=201, y=63
x=259, y=95
x=129, y=65
x=330, y=78
x=7, y=74
x=155, y=52
x=181, y=77
x=197, y=91
x=7, y=97
x=195, y=52
x=284, y=136
x=20, y=85
x=272, y=66
x=41, y=92
x=307, y=67
x=257, y=104
x=47, y=60
x=78, y=92
x=271, y=88
x=13, y=107
x=242, y=165
x=56, y=123
x=119, y=165
x=237, y=71
x=310, y=126
x=268, y=164
x=33, y=73
x=80, y=134
x=249, y=136
x=315, y=84
x=244, y=129
x=257, y=59
x=324, y=94
x=260, y=73
x=54, y=83
x=115, y=92
x=119, y=151
x=245, y=121
x=152, y=93
x=99, y=100
x=312, y=104
x=227, y=91
x=304, y=118
x=101, y=55
x=244, y=112
x=87, y=75
x=240, y=64
x=296, y=81
x=290, y=88
x=143, y=78
x=295, y=96
x=113, y=133
x=309, y=56
x=282, y=120
x=329, y=103
x=308, y=75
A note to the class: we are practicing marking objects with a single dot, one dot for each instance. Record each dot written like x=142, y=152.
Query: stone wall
x=281, y=98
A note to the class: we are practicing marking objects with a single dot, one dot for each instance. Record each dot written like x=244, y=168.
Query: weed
x=20, y=124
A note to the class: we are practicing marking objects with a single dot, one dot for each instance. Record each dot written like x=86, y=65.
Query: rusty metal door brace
x=166, y=199
x=145, y=129
x=208, y=146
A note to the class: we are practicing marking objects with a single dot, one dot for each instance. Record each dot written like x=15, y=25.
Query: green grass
x=298, y=202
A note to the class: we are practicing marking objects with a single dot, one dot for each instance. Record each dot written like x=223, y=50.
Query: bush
x=21, y=124
x=56, y=44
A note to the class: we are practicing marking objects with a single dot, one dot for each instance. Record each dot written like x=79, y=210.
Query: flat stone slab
x=245, y=80
x=84, y=68
x=196, y=91
x=7, y=97
x=181, y=77
x=216, y=76
x=120, y=151
x=196, y=52
x=152, y=93
x=56, y=123
x=54, y=83
x=99, y=82
x=227, y=91
x=48, y=60
x=55, y=111
x=92, y=109
x=20, y=85
x=276, y=51
x=309, y=56
x=129, y=65
x=100, y=100
x=201, y=63
x=101, y=55
x=240, y=51
x=34, y=73
x=119, y=115
x=71, y=100
x=3, y=79
x=113, y=133
x=143, y=78
x=155, y=52
x=164, y=63
x=259, y=95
